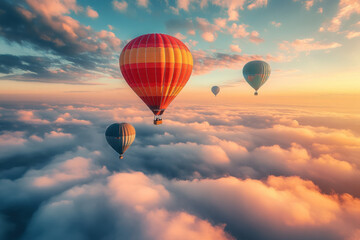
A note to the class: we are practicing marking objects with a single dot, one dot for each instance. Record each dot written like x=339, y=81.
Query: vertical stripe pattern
x=156, y=66
x=256, y=73
x=120, y=136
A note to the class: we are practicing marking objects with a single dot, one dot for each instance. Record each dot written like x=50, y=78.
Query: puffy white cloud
x=220, y=173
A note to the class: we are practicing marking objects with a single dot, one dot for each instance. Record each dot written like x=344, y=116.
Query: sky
x=70, y=49
x=282, y=165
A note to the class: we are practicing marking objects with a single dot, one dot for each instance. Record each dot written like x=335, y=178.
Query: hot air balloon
x=256, y=73
x=215, y=90
x=120, y=136
x=156, y=66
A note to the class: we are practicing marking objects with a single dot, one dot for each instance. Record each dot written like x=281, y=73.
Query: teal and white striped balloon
x=120, y=136
x=256, y=73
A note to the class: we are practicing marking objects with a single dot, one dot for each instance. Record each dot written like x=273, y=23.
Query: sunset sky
x=281, y=165
x=70, y=49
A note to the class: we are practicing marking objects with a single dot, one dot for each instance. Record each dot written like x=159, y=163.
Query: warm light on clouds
x=91, y=12
x=235, y=48
x=307, y=45
x=120, y=6
x=234, y=166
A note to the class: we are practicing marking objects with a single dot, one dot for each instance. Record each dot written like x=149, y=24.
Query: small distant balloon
x=215, y=90
x=120, y=136
x=256, y=73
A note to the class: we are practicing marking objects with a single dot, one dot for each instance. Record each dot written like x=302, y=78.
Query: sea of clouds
x=209, y=172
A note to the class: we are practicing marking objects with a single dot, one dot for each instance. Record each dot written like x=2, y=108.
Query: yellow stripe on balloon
x=152, y=54
x=158, y=93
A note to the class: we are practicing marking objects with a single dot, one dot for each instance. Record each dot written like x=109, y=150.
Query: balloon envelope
x=120, y=136
x=156, y=66
x=215, y=90
x=256, y=73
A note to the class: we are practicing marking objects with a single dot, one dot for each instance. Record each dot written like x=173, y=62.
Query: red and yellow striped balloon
x=156, y=66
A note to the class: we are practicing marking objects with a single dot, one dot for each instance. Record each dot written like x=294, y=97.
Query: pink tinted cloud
x=208, y=36
x=308, y=3
x=54, y=8
x=307, y=45
x=352, y=34
x=208, y=29
x=148, y=196
x=142, y=3
x=29, y=117
x=12, y=139
x=238, y=31
x=281, y=203
x=254, y=37
x=120, y=6
x=66, y=118
x=162, y=224
x=276, y=24
x=91, y=12
x=26, y=13
x=70, y=170
x=221, y=22
x=205, y=62
x=346, y=9
x=180, y=36
x=235, y=48
x=257, y=3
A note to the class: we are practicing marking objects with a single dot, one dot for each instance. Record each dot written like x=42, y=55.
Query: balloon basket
x=157, y=121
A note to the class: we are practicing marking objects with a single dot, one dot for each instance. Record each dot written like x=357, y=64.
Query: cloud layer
x=233, y=173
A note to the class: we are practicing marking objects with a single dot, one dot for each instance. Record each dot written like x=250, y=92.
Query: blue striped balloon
x=256, y=73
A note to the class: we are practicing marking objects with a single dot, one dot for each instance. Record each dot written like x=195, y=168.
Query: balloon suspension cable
x=121, y=156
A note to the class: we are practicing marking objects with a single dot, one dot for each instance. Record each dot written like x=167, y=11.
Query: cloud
x=68, y=46
x=219, y=173
x=235, y=48
x=29, y=117
x=180, y=36
x=208, y=36
x=120, y=6
x=142, y=3
x=345, y=10
x=276, y=24
x=352, y=34
x=238, y=31
x=174, y=10
x=184, y=4
x=221, y=22
x=279, y=205
x=307, y=45
x=257, y=4
x=91, y=12
x=231, y=6
x=207, y=62
x=66, y=118
x=254, y=37
x=71, y=170
x=308, y=3
x=143, y=218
